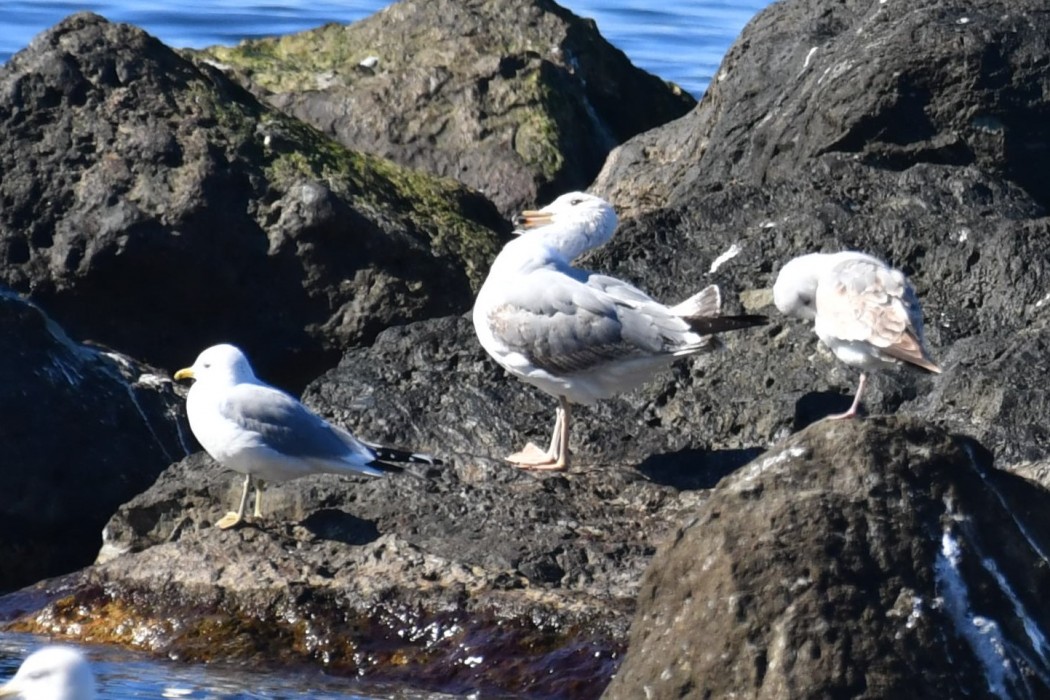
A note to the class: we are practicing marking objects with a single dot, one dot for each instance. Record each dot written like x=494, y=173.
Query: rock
x=152, y=205
x=472, y=576
x=430, y=386
x=536, y=574
x=84, y=429
x=873, y=530
x=520, y=99
x=864, y=559
x=771, y=167
x=890, y=86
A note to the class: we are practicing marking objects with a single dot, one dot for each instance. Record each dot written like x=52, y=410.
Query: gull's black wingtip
x=392, y=454
x=721, y=324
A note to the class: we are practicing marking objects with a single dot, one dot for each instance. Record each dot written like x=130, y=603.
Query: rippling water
x=683, y=41
x=124, y=674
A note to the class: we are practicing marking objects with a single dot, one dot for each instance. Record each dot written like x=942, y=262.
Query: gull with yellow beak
x=260, y=431
x=578, y=335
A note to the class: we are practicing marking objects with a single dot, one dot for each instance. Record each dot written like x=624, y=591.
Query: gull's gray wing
x=566, y=320
x=862, y=300
x=288, y=427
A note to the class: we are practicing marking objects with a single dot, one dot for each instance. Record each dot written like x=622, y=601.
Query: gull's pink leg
x=852, y=412
x=556, y=458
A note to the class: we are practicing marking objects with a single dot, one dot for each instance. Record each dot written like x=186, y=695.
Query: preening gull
x=578, y=335
x=252, y=428
x=865, y=311
x=52, y=673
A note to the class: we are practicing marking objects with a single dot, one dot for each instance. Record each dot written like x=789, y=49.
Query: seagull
x=865, y=311
x=578, y=335
x=260, y=431
x=52, y=673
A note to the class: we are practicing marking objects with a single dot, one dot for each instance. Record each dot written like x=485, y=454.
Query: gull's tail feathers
x=909, y=349
x=706, y=302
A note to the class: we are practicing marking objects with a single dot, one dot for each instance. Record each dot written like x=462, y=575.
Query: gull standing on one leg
x=578, y=335
x=865, y=311
x=252, y=428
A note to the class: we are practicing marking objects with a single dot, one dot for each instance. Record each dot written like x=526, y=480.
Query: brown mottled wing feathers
x=863, y=301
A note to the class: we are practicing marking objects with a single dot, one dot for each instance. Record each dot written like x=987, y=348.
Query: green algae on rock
x=521, y=100
x=143, y=184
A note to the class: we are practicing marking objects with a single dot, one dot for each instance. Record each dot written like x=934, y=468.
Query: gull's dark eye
x=575, y=201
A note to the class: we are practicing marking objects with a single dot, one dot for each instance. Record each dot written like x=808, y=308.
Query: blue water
x=684, y=42
x=123, y=674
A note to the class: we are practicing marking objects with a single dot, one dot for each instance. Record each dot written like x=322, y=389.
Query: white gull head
x=795, y=291
x=220, y=364
x=572, y=224
x=52, y=673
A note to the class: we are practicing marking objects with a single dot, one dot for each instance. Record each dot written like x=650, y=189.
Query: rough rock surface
x=519, y=99
x=868, y=527
x=974, y=247
x=153, y=205
x=780, y=165
x=470, y=558
x=890, y=85
x=83, y=430
x=471, y=576
x=861, y=559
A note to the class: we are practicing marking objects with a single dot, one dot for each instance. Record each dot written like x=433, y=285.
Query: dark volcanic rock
x=431, y=386
x=151, y=204
x=474, y=576
x=974, y=247
x=889, y=85
x=779, y=166
x=519, y=99
x=535, y=573
x=870, y=559
x=83, y=430
x=863, y=559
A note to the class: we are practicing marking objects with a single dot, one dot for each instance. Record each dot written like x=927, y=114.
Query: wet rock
x=534, y=574
x=151, y=204
x=519, y=99
x=84, y=429
x=469, y=577
x=888, y=86
x=863, y=559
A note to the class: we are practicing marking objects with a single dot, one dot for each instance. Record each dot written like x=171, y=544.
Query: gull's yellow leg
x=230, y=519
x=260, y=485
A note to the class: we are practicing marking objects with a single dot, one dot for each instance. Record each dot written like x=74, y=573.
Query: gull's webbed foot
x=229, y=520
x=532, y=457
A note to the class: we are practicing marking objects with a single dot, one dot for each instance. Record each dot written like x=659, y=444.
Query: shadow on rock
x=340, y=526
x=817, y=405
x=693, y=469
